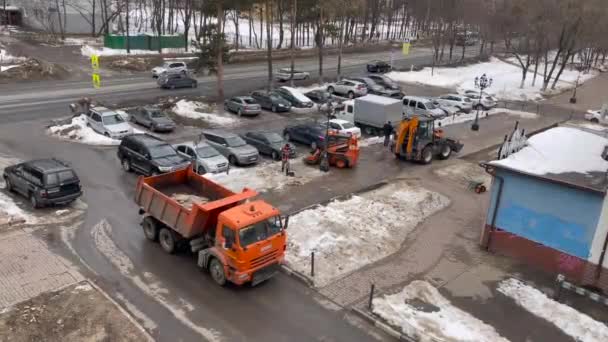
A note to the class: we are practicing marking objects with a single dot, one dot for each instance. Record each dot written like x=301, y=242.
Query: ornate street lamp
x=482, y=83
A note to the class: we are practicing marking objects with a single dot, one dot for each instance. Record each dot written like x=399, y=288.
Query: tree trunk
x=220, y=60
x=94, y=4
x=261, y=27
x=319, y=42
x=537, y=58
x=294, y=7
x=128, y=28
x=269, y=44
x=235, y=20
x=250, y=20
x=340, y=43
x=365, y=19
x=561, y=69
x=280, y=9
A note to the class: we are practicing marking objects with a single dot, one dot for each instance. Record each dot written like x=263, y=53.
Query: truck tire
x=445, y=152
x=150, y=228
x=167, y=240
x=427, y=155
x=216, y=269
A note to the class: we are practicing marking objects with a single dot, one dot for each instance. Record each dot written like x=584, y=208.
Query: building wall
x=556, y=216
x=601, y=234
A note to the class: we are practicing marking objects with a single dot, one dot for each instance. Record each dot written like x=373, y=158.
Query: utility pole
x=128, y=38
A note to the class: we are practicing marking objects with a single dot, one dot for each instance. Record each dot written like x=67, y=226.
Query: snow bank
x=196, y=110
x=88, y=51
x=347, y=235
x=6, y=58
x=8, y=67
x=572, y=322
x=460, y=118
x=78, y=130
x=559, y=150
x=266, y=176
x=506, y=79
x=420, y=310
x=10, y=212
x=371, y=141
x=589, y=126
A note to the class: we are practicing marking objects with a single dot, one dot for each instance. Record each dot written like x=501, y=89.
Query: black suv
x=149, y=155
x=44, y=181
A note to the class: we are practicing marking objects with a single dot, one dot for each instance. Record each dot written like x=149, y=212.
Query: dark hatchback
x=44, y=182
x=378, y=66
x=268, y=143
x=149, y=155
x=271, y=100
x=172, y=81
x=311, y=134
x=152, y=118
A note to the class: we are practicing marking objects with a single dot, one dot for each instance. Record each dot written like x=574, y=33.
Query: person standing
x=388, y=130
x=285, y=151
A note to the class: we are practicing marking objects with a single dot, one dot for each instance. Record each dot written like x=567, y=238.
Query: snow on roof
x=297, y=94
x=563, y=153
x=379, y=99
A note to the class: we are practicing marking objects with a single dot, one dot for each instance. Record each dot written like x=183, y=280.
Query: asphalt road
x=169, y=292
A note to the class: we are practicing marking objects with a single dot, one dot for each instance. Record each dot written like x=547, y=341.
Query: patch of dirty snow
x=371, y=141
x=10, y=213
x=83, y=287
x=572, y=322
x=199, y=111
x=266, y=176
x=78, y=130
x=349, y=234
x=506, y=79
x=464, y=172
x=6, y=58
x=559, y=150
x=61, y=212
x=8, y=67
x=460, y=118
x=88, y=51
x=419, y=310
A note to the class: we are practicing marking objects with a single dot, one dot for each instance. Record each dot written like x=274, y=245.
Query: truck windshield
x=259, y=231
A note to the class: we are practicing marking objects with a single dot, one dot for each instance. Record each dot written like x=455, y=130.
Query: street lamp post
x=482, y=83
x=573, y=98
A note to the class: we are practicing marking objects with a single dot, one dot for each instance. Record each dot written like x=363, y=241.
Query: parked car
x=322, y=98
x=413, y=105
x=349, y=88
x=311, y=134
x=149, y=155
x=377, y=89
x=463, y=103
x=284, y=75
x=597, y=116
x=232, y=147
x=385, y=81
x=271, y=100
x=487, y=101
x=449, y=110
x=44, y=182
x=206, y=158
x=172, y=81
x=243, y=105
x=378, y=66
x=344, y=127
x=152, y=118
x=109, y=123
x=268, y=143
x=295, y=97
x=170, y=68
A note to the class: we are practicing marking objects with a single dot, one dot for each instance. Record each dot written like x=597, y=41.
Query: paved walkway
x=591, y=95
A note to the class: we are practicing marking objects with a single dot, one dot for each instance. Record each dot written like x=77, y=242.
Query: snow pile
x=8, y=67
x=88, y=51
x=506, y=79
x=572, y=322
x=559, y=150
x=10, y=213
x=6, y=58
x=371, y=141
x=590, y=126
x=78, y=130
x=420, y=310
x=460, y=118
x=347, y=235
x=196, y=110
x=266, y=176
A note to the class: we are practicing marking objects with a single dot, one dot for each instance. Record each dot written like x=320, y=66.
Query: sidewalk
x=591, y=95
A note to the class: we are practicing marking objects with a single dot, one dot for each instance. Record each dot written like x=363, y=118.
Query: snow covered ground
x=201, y=111
x=506, y=79
x=88, y=51
x=5, y=58
x=77, y=130
x=420, y=310
x=572, y=322
x=8, y=67
x=559, y=150
x=266, y=176
x=349, y=234
x=9, y=211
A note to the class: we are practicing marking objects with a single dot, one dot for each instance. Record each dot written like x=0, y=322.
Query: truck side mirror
x=286, y=222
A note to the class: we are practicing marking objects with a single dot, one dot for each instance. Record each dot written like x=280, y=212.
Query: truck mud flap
x=264, y=274
x=455, y=145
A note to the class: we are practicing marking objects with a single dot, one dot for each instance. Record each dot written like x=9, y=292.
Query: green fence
x=144, y=42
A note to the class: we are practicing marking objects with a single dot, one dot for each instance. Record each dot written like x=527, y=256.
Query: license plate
x=264, y=274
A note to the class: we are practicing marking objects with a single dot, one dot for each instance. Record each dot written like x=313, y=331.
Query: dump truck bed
x=185, y=201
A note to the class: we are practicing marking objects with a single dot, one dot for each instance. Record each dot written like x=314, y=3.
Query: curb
x=382, y=326
x=12, y=223
x=306, y=280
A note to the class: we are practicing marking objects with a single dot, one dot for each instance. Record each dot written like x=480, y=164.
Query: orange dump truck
x=236, y=238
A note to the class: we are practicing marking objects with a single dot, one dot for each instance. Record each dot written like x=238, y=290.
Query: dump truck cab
x=250, y=242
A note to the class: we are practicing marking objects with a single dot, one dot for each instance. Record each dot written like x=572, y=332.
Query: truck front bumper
x=256, y=276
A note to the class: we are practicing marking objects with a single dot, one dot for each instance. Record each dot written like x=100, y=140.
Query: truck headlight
x=164, y=168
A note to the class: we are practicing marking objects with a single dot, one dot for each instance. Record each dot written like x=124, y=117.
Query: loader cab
x=426, y=127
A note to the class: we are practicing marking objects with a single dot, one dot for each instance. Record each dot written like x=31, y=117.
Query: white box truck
x=371, y=112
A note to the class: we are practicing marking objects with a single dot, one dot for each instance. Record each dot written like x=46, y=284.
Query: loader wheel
x=427, y=155
x=150, y=228
x=167, y=240
x=217, y=272
x=341, y=164
x=445, y=153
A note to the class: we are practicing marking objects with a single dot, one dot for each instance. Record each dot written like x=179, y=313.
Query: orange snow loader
x=342, y=151
x=236, y=238
x=417, y=139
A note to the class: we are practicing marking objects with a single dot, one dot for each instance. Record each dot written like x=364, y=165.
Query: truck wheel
x=595, y=120
x=341, y=164
x=427, y=155
x=445, y=152
x=150, y=228
x=217, y=272
x=351, y=95
x=167, y=240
